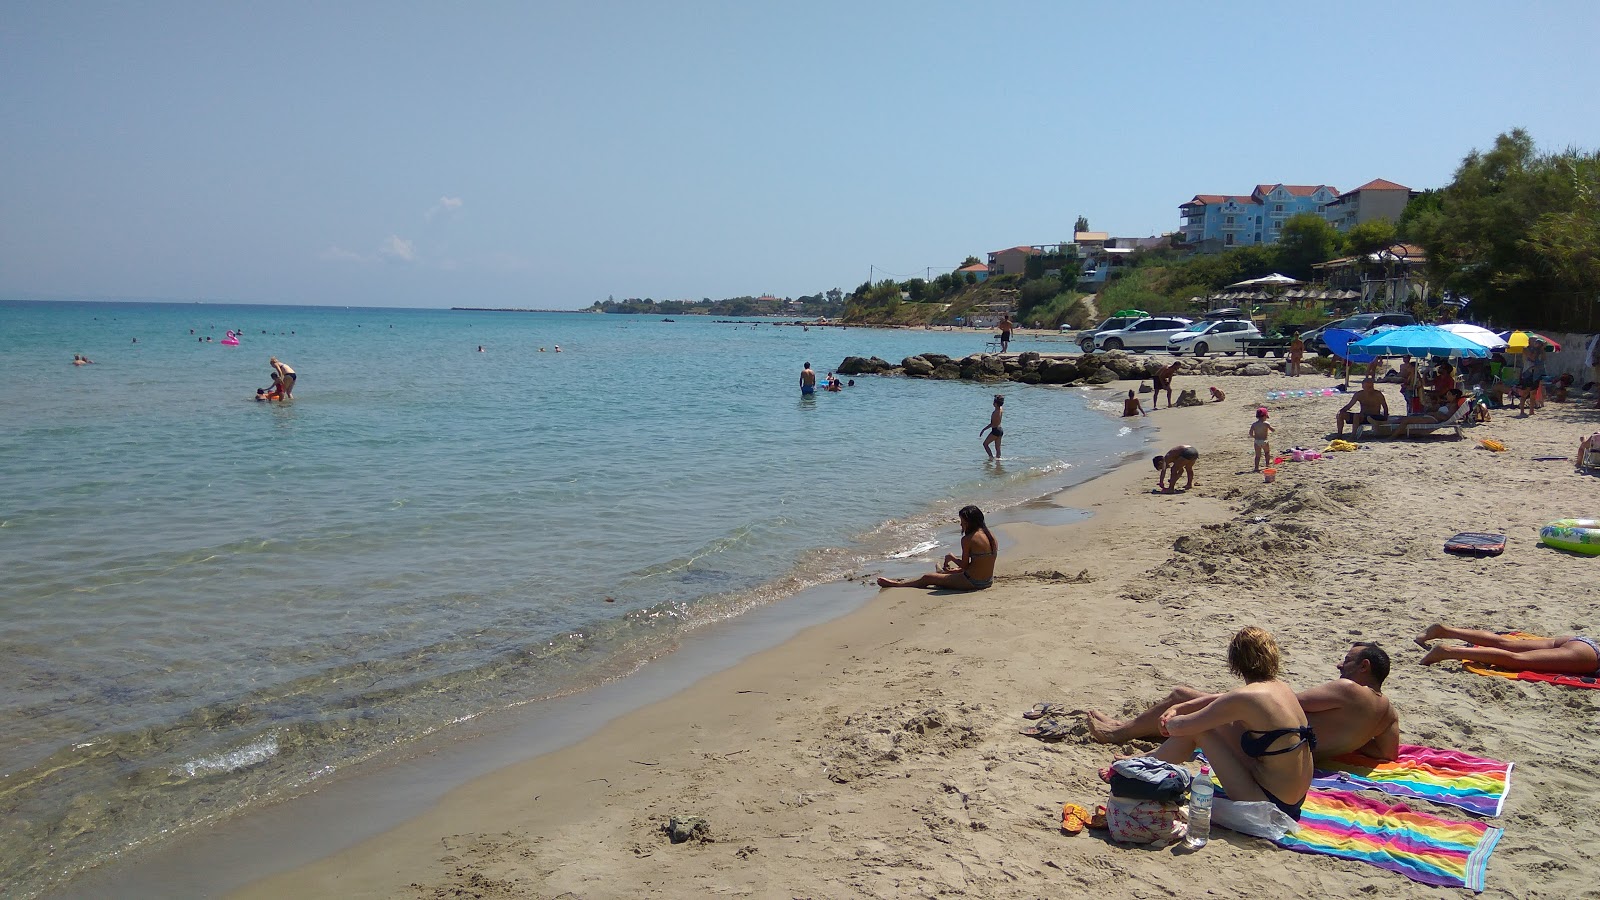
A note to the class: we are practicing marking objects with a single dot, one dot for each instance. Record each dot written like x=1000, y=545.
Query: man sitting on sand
x=1374, y=407
x=1349, y=713
x=1179, y=459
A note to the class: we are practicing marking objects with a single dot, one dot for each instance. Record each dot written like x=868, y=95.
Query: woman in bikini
x=1256, y=737
x=973, y=571
x=1576, y=655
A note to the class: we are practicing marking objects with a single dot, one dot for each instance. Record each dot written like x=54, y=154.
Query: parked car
x=1114, y=323
x=1145, y=334
x=1363, y=323
x=1216, y=336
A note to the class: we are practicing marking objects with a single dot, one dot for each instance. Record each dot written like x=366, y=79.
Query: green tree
x=1370, y=237
x=1307, y=238
x=1567, y=238
x=1081, y=225
x=971, y=261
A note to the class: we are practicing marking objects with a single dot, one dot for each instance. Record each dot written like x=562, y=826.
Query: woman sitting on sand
x=1576, y=655
x=1256, y=738
x=974, y=571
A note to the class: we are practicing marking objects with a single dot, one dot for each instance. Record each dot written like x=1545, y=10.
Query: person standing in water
x=808, y=380
x=286, y=376
x=1005, y=332
x=994, y=429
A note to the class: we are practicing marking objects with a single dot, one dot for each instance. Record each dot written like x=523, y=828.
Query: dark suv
x=1362, y=323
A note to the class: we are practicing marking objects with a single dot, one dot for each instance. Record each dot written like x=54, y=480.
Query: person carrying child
x=1260, y=431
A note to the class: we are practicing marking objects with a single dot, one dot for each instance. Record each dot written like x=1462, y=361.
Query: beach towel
x=1449, y=777
x=1576, y=681
x=1421, y=847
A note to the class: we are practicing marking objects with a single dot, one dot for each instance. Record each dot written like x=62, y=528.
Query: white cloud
x=398, y=249
x=444, y=206
x=339, y=254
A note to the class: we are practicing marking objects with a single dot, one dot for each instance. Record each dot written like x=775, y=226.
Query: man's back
x=1348, y=716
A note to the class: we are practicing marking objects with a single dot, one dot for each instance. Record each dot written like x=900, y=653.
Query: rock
x=1057, y=371
x=937, y=359
x=1030, y=378
x=949, y=371
x=1028, y=358
x=860, y=365
x=1144, y=388
x=688, y=828
x=992, y=365
x=1104, y=375
x=1254, y=369
x=917, y=366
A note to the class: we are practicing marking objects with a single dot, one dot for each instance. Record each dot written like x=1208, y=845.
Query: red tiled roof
x=975, y=267
x=1296, y=190
x=1205, y=199
x=1378, y=184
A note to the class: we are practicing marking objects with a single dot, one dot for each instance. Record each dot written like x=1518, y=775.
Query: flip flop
x=1098, y=820
x=1040, y=710
x=1074, y=818
x=1048, y=730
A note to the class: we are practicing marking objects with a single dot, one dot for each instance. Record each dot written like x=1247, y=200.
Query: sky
x=547, y=155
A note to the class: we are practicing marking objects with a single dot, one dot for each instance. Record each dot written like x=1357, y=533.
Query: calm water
x=209, y=602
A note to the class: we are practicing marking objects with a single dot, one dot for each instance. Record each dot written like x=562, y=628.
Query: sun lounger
x=1451, y=424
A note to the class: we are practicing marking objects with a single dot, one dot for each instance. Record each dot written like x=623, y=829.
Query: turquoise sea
x=211, y=603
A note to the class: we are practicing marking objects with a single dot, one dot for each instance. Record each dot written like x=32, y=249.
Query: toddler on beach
x=1260, y=430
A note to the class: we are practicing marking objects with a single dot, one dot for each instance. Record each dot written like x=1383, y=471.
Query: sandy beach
x=878, y=755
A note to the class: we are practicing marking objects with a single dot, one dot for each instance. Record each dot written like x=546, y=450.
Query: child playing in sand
x=1132, y=406
x=1260, y=431
x=1217, y=396
x=994, y=429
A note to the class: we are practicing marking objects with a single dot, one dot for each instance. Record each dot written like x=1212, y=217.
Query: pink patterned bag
x=1146, y=821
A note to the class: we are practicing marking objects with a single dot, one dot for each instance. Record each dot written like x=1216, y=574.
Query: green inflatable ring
x=1573, y=535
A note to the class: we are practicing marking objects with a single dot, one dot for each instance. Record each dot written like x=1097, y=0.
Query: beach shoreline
x=877, y=754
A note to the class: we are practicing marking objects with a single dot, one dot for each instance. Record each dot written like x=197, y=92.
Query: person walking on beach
x=1179, y=459
x=808, y=380
x=1162, y=381
x=973, y=571
x=1297, y=351
x=1260, y=431
x=994, y=429
x=285, y=374
x=1132, y=406
x=1005, y=331
x=1350, y=713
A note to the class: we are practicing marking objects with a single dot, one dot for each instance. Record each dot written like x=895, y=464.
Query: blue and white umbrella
x=1419, y=340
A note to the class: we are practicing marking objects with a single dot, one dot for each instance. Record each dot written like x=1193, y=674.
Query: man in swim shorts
x=1005, y=332
x=1374, y=407
x=1179, y=459
x=808, y=380
x=286, y=376
x=1162, y=381
x=1349, y=713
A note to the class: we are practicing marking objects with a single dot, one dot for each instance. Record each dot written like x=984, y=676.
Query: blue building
x=1217, y=221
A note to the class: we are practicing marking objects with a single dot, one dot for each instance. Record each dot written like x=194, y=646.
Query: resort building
x=1218, y=221
x=1377, y=199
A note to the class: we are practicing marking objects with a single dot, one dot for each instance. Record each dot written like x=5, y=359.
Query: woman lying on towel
x=1256, y=737
x=1576, y=655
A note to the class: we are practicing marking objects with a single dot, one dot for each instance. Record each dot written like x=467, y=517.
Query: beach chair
x=1451, y=424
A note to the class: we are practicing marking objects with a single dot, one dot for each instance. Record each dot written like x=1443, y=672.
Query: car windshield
x=1199, y=326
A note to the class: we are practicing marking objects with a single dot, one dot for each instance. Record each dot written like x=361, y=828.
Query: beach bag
x=1472, y=543
x=1148, y=778
x=1146, y=821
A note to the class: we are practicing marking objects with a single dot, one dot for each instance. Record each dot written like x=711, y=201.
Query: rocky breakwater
x=1053, y=368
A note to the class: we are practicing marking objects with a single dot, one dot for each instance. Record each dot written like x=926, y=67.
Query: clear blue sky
x=551, y=154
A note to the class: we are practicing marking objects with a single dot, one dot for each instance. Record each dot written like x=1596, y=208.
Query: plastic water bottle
x=1200, y=793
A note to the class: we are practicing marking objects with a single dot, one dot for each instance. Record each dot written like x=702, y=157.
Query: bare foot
x=1103, y=728
x=887, y=582
x=1432, y=633
x=1432, y=656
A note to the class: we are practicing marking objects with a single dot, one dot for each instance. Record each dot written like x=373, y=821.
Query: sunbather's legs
x=1571, y=658
x=956, y=581
x=1485, y=639
x=1145, y=726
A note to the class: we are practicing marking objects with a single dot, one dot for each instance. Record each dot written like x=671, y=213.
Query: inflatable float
x=1573, y=536
x=232, y=340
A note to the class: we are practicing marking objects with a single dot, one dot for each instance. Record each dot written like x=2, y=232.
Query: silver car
x=1145, y=334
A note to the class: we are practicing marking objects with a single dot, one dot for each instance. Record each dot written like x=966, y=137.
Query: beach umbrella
x=1477, y=334
x=1265, y=280
x=1343, y=342
x=1517, y=341
x=1419, y=340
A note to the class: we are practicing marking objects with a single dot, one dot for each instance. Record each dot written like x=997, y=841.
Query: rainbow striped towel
x=1421, y=847
x=1473, y=783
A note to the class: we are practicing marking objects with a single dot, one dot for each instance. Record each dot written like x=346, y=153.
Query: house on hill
x=1377, y=199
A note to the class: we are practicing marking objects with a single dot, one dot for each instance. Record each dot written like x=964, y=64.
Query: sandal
x=1048, y=730
x=1040, y=710
x=1098, y=820
x=1074, y=818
